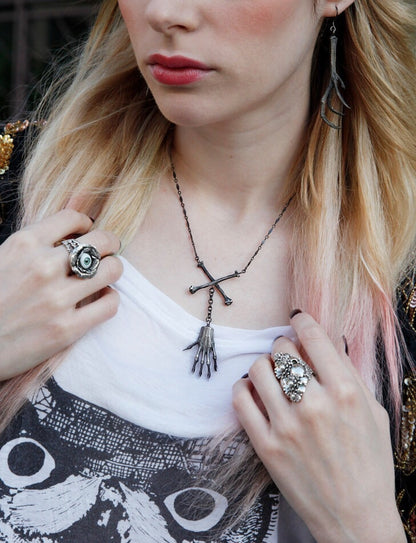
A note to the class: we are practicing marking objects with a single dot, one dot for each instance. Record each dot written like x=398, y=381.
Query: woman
x=244, y=179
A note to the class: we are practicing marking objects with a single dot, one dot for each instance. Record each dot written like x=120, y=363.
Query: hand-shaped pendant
x=206, y=354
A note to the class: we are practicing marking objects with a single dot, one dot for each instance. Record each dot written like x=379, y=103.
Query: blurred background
x=32, y=32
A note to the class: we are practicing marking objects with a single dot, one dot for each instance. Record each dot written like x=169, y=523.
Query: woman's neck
x=244, y=166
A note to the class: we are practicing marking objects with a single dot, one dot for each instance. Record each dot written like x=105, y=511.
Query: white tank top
x=134, y=365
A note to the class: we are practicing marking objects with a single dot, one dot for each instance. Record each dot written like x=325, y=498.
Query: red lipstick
x=176, y=70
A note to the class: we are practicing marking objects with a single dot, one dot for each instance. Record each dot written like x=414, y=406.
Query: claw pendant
x=206, y=355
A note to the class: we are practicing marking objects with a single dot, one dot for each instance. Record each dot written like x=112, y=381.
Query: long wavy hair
x=354, y=189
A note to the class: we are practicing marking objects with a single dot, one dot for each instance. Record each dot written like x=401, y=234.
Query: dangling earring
x=334, y=83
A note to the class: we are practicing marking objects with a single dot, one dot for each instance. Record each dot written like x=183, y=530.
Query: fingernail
x=345, y=345
x=244, y=376
x=295, y=312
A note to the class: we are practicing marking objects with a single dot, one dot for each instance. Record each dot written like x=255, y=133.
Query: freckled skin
x=260, y=52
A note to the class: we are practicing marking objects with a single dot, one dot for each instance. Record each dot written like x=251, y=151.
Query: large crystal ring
x=83, y=259
x=293, y=374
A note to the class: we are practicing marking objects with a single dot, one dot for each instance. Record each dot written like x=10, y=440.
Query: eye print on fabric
x=210, y=510
x=73, y=472
x=24, y=462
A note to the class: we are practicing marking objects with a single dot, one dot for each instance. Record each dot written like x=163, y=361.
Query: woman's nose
x=169, y=16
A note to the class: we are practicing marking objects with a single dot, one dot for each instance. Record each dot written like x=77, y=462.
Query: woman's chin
x=186, y=118
x=188, y=112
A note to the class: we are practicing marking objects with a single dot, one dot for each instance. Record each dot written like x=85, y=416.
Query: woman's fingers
x=270, y=389
x=266, y=386
x=333, y=365
x=105, y=242
x=322, y=354
x=65, y=223
x=249, y=413
x=101, y=309
x=262, y=377
x=109, y=271
x=334, y=368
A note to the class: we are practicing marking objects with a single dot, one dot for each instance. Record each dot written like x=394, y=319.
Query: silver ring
x=83, y=259
x=293, y=374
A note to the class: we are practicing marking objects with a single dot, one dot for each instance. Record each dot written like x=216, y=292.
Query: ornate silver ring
x=83, y=259
x=293, y=374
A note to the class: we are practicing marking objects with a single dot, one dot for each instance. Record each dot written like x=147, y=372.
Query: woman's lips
x=176, y=70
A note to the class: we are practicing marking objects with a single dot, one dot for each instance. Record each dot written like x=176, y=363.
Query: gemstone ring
x=293, y=374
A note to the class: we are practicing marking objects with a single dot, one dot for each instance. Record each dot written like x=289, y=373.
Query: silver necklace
x=206, y=355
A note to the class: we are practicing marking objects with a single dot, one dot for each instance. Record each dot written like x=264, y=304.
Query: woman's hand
x=330, y=454
x=39, y=316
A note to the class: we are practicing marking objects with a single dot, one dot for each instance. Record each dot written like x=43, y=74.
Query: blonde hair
x=356, y=193
x=354, y=189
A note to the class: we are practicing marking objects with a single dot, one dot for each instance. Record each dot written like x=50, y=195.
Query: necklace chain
x=206, y=356
x=188, y=226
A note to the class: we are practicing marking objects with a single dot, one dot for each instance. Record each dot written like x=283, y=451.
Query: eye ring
x=204, y=524
x=13, y=480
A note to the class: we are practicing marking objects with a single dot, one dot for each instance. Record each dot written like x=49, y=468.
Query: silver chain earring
x=334, y=84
